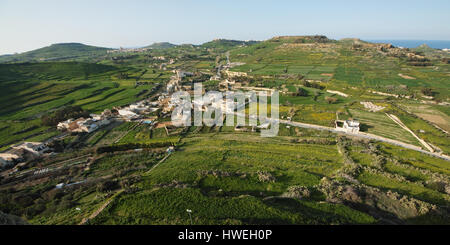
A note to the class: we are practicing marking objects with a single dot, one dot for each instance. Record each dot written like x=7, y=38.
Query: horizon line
x=200, y=43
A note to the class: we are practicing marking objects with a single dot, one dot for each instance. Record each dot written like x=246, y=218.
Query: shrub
x=107, y=186
x=265, y=176
x=427, y=91
x=313, y=85
x=301, y=92
x=331, y=100
x=297, y=192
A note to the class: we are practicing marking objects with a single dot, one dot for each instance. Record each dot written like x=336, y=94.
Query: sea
x=437, y=44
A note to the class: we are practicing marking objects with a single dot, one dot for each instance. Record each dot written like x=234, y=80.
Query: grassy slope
x=239, y=198
x=57, y=51
x=30, y=90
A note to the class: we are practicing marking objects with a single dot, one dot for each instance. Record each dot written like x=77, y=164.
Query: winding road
x=358, y=135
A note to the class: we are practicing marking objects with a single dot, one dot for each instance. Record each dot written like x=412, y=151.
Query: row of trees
x=63, y=114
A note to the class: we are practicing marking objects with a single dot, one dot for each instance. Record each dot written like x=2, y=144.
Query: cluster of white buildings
x=23, y=152
x=84, y=125
x=174, y=83
x=232, y=74
x=182, y=74
x=136, y=110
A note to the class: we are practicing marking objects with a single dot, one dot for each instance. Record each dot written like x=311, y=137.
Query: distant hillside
x=61, y=51
x=302, y=39
x=431, y=52
x=162, y=45
x=424, y=48
x=224, y=44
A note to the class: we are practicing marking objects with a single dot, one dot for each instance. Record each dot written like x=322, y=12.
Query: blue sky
x=27, y=25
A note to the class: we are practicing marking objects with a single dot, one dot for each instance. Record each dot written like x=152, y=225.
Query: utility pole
x=189, y=212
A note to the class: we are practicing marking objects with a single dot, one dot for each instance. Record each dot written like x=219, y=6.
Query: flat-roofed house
x=349, y=126
x=37, y=148
x=8, y=159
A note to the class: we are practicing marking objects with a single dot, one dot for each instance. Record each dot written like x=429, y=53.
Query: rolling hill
x=60, y=51
x=161, y=45
x=225, y=44
x=224, y=175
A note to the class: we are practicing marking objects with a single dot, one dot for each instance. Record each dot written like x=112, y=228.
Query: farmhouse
x=182, y=74
x=64, y=125
x=127, y=114
x=8, y=159
x=226, y=84
x=214, y=78
x=235, y=74
x=173, y=85
x=36, y=148
x=83, y=125
x=349, y=126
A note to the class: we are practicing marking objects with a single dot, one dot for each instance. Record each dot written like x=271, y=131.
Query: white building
x=235, y=74
x=8, y=159
x=349, y=126
x=37, y=148
x=84, y=125
x=181, y=74
x=64, y=125
x=128, y=114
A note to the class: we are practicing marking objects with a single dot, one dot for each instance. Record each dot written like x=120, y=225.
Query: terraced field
x=28, y=91
x=302, y=176
x=230, y=171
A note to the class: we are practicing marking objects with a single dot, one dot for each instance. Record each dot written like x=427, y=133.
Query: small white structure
x=235, y=74
x=181, y=74
x=215, y=78
x=170, y=149
x=349, y=126
x=96, y=117
x=128, y=114
x=265, y=125
x=60, y=186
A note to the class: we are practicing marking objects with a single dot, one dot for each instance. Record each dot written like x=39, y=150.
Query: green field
x=301, y=176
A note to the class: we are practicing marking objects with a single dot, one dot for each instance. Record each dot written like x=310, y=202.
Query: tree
x=63, y=114
x=313, y=85
x=106, y=186
x=427, y=91
x=301, y=92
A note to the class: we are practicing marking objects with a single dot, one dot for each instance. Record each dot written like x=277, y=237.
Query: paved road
x=366, y=136
x=359, y=135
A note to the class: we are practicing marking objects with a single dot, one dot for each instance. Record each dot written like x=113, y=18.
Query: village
x=147, y=112
x=143, y=112
x=161, y=106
